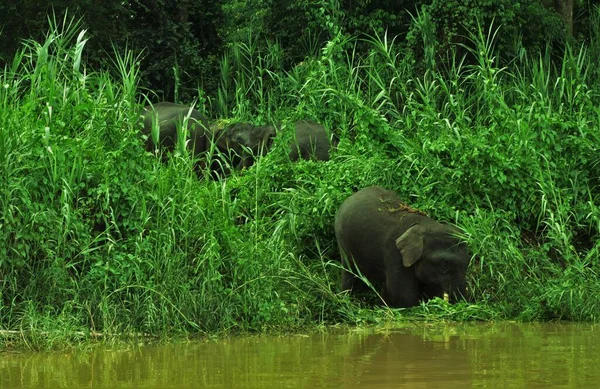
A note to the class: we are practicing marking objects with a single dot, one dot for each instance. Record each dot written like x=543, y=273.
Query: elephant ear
x=410, y=245
x=267, y=133
x=221, y=139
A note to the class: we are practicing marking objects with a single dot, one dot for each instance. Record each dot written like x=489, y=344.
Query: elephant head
x=438, y=257
x=244, y=142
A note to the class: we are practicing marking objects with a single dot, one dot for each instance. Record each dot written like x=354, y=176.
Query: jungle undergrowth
x=100, y=237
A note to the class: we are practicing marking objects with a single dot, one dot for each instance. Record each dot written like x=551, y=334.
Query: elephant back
x=384, y=201
x=311, y=141
x=168, y=117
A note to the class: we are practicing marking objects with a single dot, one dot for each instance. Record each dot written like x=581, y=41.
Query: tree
x=565, y=9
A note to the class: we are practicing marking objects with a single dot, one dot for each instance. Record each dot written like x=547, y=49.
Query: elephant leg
x=245, y=161
x=401, y=288
x=348, y=277
x=348, y=280
x=199, y=167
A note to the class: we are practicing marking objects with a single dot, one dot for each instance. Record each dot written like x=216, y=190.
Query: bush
x=99, y=236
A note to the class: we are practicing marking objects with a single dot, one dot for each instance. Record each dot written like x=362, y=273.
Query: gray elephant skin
x=245, y=142
x=414, y=256
x=168, y=116
x=311, y=141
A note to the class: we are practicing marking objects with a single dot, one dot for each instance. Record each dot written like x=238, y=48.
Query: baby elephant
x=416, y=257
x=310, y=140
x=168, y=116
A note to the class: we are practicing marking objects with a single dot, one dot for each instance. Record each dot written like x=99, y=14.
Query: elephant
x=201, y=139
x=311, y=140
x=168, y=116
x=416, y=257
x=244, y=142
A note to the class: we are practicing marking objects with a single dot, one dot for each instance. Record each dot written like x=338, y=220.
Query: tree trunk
x=565, y=8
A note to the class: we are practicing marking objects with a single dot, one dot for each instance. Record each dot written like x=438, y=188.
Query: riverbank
x=99, y=236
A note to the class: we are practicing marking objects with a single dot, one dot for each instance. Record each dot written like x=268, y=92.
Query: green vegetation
x=182, y=42
x=99, y=238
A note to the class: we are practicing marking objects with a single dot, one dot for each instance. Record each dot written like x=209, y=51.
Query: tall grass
x=99, y=238
x=505, y=147
x=250, y=77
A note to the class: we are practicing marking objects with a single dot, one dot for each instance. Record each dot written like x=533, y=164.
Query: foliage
x=183, y=42
x=180, y=40
x=448, y=25
x=99, y=237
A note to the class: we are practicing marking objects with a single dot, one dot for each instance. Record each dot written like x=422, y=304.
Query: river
x=420, y=355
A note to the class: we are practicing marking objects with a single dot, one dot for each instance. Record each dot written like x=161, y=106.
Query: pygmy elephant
x=244, y=142
x=416, y=257
x=310, y=140
x=168, y=117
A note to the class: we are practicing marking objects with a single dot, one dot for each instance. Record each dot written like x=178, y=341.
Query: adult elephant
x=168, y=117
x=310, y=141
x=416, y=257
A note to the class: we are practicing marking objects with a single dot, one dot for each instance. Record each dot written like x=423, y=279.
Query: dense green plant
x=465, y=137
x=180, y=41
x=100, y=237
x=251, y=87
x=184, y=41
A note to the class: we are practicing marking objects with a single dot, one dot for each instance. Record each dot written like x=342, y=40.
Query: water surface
x=502, y=355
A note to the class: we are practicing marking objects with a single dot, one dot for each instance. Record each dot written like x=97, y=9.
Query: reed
x=99, y=237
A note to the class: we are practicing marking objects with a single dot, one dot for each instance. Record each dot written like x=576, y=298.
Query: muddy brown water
x=505, y=355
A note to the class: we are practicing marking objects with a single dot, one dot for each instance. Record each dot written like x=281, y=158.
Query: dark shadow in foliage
x=176, y=36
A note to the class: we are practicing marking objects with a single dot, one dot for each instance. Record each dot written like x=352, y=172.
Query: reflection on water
x=421, y=356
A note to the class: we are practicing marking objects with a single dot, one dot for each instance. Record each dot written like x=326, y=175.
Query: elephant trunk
x=450, y=291
x=455, y=290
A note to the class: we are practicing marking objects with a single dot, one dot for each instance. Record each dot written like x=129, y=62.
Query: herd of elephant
x=240, y=143
x=414, y=257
